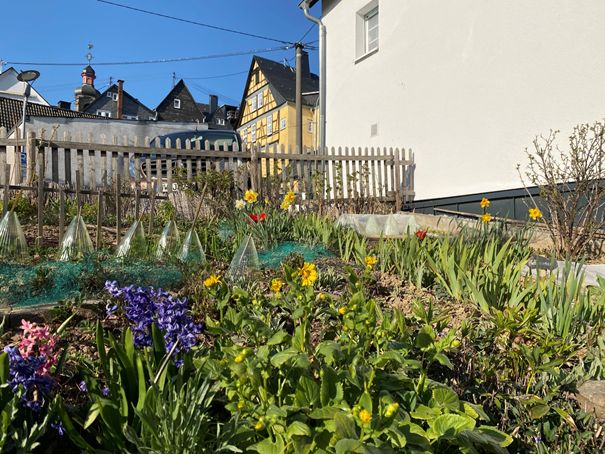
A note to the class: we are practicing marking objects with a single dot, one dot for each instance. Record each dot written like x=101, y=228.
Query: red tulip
x=420, y=234
x=253, y=217
x=263, y=215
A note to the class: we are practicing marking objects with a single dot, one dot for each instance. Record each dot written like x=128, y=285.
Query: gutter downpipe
x=322, y=75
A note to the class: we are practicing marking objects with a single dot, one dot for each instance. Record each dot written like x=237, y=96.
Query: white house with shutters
x=466, y=84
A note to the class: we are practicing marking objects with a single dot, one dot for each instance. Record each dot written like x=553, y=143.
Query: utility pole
x=299, y=113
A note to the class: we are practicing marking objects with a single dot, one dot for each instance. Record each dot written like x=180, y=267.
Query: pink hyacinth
x=38, y=340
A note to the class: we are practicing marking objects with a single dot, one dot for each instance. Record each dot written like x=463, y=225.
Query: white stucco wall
x=466, y=84
x=10, y=87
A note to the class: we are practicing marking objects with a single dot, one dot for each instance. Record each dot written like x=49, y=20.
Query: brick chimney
x=213, y=105
x=120, y=99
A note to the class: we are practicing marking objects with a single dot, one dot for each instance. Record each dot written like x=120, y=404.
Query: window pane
x=371, y=26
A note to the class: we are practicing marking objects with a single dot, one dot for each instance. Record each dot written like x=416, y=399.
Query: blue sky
x=63, y=28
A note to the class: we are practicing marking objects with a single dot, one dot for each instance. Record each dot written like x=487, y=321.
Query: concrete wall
x=466, y=84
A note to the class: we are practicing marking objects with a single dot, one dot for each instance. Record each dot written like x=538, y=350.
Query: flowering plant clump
x=288, y=200
x=145, y=306
x=38, y=341
x=25, y=376
x=485, y=203
x=486, y=217
x=211, y=281
x=421, y=234
x=240, y=204
x=276, y=285
x=308, y=274
x=258, y=217
x=250, y=196
x=370, y=261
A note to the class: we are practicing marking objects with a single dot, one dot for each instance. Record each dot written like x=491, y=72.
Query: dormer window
x=177, y=103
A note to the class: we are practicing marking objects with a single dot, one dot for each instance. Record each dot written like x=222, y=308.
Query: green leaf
x=423, y=338
x=100, y=340
x=425, y=413
x=278, y=338
x=299, y=339
x=268, y=447
x=497, y=436
x=142, y=383
x=445, y=398
x=345, y=426
x=298, y=428
x=281, y=357
x=538, y=411
x=307, y=392
x=324, y=413
x=443, y=360
x=330, y=350
x=329, y=386
x=365, y=401
x=93, y=413
x=346, y=446
x=4, y=368
x=449, y=425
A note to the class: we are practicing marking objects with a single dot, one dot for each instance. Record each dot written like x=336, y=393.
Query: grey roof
x=282, y=81
x=11, y=112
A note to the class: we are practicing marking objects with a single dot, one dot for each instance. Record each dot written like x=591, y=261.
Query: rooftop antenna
x=173, y=79
x=89, y=55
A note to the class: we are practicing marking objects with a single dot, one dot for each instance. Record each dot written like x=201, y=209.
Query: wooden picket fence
x=150, y=170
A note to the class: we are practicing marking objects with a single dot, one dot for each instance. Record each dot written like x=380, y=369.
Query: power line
x=163, y=60
x=213, y=92
x=306, y=33
x=214, y=27
x=217, y=76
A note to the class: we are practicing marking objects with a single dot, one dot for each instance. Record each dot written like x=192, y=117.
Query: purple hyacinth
x=145, y=306
x=59, y=428
x=105, y=391
x=24, y=374
x=82, y=386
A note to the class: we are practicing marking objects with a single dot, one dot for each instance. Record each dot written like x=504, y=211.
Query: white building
x=465, y=84
x=11, y=87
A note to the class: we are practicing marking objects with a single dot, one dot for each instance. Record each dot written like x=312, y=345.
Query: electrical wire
x=163, y=60
x=214, y=27
x=212, y=92
x=306, y=33
x=220, y=76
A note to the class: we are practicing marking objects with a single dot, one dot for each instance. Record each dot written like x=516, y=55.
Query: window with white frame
x=220, y=121
x=282, y=123
x=253, y=135
x=253, y=104
x=367, y=30
x=104, y=113
x=270, y=124
x=109, y=94
x=130, y=117
x=176, y=103
x=259, y=101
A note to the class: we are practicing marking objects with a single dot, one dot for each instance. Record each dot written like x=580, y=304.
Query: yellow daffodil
x=276, y=285
x=484, y=202
x=486, y=217
x=365, y=416
x=391, y=409
x=290, y=197
x=308, y=273
x=250, y=196
x=535, y=213
x=285, y=205
x=342, y=310
x=212, y=280
x=370, y=261
x=239, y=204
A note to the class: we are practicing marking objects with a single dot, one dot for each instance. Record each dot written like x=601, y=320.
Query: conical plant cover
x=411, y=226
x=245, y=259
x=392, y=228
x=192, y=250
x=133, y=243
x=225, y=231
x=170, y=241
x=12, y=238
x=373, y=228
x=76, y=241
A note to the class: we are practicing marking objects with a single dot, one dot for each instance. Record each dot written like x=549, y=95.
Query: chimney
x=213, y=104
x=64, y=105
x=120, y=99
x=306, y=69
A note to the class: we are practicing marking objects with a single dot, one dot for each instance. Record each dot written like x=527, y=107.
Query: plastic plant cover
x=76, y=242
x=373, y=229
x=170, y=241
x=392, y=227
x=192, y=250
x=12, y=238
x=245, y=259
x=133, y=243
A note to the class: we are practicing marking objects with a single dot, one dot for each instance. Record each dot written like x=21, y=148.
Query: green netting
x=54, y=281
x=192, y=250
x=225, y=231
x=244, y=259
x=76, y=242
x=12, y=238
x=273, y=258
x=170, y=241
x=134, y=243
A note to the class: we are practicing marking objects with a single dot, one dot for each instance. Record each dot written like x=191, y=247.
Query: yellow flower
x=285, y=205
x=484, y=202
x=239, y=358
x=239, y=204
x=276, y=285
x=535, y=213
x=391, y=409
x=290, y=197
x=250, y=196
x=308, y=273
x=212, y=280
x=260, y=425
x=371, y=261
x=241, y=404
x=322, y=296
x=342, y=310
x=365, y=416
x=486, y=217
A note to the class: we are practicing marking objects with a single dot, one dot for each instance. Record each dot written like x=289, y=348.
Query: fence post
x=31, y=162
x=397, y=186
x=40, y=162
x=7, y=186
x=254, y=168
x=118, y=211
x=61, y=213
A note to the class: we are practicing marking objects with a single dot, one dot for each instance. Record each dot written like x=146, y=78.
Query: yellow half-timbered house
x=268, y=108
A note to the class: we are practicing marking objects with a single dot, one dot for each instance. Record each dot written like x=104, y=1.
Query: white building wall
x=466, y=84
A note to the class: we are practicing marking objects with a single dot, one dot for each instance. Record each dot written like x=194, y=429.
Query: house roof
x=178, y=88
x=114, y=88
x=11, y=112
x=10, y=77
x=282, y=81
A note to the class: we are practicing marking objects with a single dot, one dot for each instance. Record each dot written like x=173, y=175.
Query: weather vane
x=89, y=55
